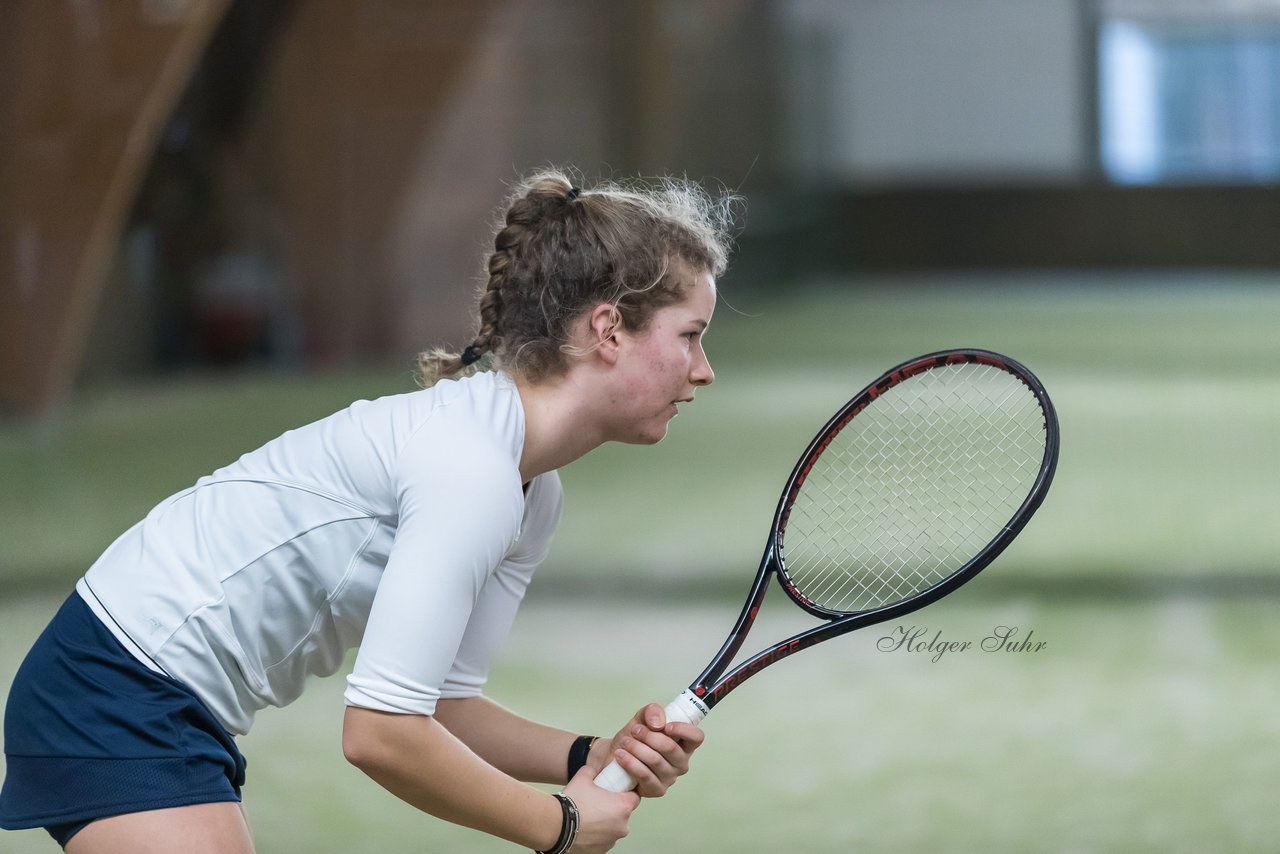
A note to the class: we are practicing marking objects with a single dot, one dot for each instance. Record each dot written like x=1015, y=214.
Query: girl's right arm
x=418, y=760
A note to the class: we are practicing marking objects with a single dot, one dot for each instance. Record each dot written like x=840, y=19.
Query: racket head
x=915, y=485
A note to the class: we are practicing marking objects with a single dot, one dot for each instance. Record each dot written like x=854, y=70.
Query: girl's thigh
x=218, y=828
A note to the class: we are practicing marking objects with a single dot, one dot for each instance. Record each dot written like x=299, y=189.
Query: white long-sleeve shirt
x=398, y=525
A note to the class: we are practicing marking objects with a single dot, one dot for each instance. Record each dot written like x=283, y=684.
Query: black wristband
x=568, y=825
x=579, y=752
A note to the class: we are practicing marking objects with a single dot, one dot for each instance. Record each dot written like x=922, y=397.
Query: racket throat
x=687, y=708
x=733, y=643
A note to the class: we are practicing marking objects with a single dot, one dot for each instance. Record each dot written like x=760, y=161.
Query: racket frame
x=711, y=686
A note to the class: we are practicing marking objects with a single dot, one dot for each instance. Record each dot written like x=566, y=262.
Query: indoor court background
x=916, y=176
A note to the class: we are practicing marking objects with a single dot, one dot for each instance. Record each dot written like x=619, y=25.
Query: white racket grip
x=686, y=708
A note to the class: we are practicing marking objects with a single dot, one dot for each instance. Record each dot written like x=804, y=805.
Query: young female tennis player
x=409, y=526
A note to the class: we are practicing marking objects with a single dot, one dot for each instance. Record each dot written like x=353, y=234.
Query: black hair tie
x=470, y=355
x=573, y=193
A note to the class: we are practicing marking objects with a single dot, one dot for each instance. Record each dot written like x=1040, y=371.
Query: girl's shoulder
x=488, y=397
x=480, y=415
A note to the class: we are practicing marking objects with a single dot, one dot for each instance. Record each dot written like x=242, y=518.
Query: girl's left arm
x=653, y=751
x=522, y=748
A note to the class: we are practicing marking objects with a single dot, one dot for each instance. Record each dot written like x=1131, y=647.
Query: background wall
x=310, y=182
x=971, y=91
x=954, y=135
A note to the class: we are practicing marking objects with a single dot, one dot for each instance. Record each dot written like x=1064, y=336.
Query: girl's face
x=661, y=366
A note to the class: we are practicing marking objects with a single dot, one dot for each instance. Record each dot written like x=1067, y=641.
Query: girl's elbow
x=374, y=740
x=359, y=740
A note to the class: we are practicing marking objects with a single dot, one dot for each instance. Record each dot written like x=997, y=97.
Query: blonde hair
x=559, y=251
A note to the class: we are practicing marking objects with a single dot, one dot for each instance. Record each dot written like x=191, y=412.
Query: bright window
x=1190, y=91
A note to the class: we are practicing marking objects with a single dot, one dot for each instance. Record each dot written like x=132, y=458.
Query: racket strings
x=914, y=486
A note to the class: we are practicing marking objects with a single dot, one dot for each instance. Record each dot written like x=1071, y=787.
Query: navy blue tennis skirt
x=90, y=732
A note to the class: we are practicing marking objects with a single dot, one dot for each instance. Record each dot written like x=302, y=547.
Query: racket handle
x=686, y=708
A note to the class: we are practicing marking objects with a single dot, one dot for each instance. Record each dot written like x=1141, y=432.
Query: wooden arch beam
x=87, y=90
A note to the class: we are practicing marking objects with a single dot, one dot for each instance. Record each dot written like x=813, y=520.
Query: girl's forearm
x=420, y=761
x=526, y=750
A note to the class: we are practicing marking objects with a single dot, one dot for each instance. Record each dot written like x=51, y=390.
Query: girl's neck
x=558, y=424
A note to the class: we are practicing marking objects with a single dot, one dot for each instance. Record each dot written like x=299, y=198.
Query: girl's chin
x=648, y=435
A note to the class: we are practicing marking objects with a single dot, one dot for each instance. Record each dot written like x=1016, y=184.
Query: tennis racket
x=912, y=488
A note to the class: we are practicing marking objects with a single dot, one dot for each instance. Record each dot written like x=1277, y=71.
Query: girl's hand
x=602, y=815
x=650, y=749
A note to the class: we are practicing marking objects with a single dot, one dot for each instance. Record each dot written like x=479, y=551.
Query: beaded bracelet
x=568, y=827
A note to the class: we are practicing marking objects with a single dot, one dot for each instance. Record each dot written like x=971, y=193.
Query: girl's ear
x=604, y=323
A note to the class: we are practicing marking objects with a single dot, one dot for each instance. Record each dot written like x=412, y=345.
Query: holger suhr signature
x=917, y=639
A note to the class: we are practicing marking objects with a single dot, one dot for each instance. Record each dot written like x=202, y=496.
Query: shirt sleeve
x=460, y=513
x=495, y=612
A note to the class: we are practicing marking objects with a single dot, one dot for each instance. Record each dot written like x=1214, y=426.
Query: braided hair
x=559, y=250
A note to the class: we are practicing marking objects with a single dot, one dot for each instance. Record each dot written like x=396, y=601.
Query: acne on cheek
x=658, y=364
